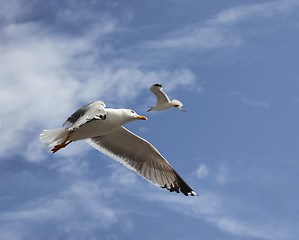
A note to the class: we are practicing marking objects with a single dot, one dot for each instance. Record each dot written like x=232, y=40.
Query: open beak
x=141, y=117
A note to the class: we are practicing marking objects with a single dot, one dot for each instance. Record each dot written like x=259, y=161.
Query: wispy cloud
x=202, y=171
x=46, y=75
x=250, y=102
x=121, y=176
x=217, y=32
x=271, y=231
x=256, y=103
x=83, y=200
x=202, y=36
x=222, y=174
x=95, y=201
x=10, y=10
x=262, y=10
x=212, y=208
x=83, y=206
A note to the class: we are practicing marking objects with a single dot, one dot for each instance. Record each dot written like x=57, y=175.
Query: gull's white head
x=130, y=115
x=119, y=117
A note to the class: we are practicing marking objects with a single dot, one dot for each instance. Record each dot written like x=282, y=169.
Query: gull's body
x=103, y=129
x=99, y=127
x=163, y=101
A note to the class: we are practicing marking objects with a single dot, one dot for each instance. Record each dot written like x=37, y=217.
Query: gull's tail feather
x=182, y=110
x=53, y=136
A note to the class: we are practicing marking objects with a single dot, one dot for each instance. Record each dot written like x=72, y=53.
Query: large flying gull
x=103, y=129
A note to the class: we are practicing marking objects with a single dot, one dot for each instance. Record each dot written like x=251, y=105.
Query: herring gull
x=103, y=129
x=163, y=101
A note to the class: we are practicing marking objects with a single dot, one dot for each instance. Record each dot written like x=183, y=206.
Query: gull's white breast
x=163, y=106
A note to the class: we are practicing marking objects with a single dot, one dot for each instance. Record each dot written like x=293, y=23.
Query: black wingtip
x=103, y=117
x=182, y=187
x=157, y=85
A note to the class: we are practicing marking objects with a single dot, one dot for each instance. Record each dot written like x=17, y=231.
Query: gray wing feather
x=161, y=96
x=94, y=110
x=140, y=156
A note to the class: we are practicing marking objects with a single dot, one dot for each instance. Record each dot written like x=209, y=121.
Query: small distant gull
x=103, y=129
x=163, y=101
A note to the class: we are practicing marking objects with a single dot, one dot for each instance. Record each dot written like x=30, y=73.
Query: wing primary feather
x=140, y=156
x=161, y=96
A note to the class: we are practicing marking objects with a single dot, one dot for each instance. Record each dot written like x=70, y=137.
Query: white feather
x=53, y=136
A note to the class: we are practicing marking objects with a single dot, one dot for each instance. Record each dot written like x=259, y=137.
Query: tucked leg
x=62, y=145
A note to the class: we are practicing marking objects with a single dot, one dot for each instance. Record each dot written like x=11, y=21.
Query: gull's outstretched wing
x=139, y=155
x=94, y=110
x=161, y=96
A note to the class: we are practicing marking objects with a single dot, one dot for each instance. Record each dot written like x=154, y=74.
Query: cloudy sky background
x=234, y=65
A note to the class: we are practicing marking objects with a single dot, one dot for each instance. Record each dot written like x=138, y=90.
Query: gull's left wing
x=140, y=156
x=94, y=110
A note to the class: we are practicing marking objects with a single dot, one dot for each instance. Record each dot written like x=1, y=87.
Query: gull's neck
x=118, y=116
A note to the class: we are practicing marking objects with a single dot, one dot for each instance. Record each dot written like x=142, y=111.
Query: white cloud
x=202, y=171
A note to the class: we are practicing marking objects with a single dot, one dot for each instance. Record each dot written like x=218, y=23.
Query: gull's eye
x=132, y=111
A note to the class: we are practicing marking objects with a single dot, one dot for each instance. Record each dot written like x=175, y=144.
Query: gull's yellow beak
x=141, y=117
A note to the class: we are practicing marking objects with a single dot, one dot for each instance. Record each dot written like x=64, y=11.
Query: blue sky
x=234, y=65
